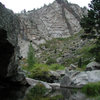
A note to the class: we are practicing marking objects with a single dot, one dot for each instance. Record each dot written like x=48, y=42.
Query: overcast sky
x=19, y=5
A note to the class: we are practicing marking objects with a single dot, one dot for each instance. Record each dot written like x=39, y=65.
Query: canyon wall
x=57, y=20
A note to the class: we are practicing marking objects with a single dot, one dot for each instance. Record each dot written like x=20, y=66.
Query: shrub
x=51, y=61
x=92, y=89
x=40, y=72
x=80, y=63
x=56, y=67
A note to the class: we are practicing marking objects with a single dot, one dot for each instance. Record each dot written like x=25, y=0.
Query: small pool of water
x=23, y=93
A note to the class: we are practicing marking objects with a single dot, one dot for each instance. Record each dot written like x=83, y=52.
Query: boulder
x=54, y=74
x=93, y=66
x=79, y=79
x=33, y=82
x=61, y=72
x=72, y=67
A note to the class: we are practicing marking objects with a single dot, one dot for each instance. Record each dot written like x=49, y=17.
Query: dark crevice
x=6, y=52
x=66, y=21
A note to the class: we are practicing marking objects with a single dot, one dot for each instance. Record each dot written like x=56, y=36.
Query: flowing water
x=22, y=93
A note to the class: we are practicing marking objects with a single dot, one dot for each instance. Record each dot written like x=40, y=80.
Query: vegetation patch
x=92, y=89
x=56, y=67
x=40, y=72
x=70, y=50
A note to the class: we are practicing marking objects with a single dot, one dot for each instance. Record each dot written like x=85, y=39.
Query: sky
x=19, y=5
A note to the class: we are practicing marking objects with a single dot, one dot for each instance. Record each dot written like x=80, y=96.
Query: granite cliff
x=59, y=19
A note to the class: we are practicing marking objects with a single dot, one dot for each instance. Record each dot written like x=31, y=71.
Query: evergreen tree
x=91, y=25
x=31, y=56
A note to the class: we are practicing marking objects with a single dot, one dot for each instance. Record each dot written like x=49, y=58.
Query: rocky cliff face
x=59, y=19
x=9, y=50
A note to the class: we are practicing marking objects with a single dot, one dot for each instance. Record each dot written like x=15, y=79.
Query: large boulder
x=79, y=79
x=93, y=66
x=34, y=82
x=9, y=50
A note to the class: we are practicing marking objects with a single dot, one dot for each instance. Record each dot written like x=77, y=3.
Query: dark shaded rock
x=13, y=93
x=93, y=66
x=9, y=50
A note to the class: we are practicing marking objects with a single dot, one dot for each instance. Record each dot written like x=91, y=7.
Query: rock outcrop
x=9, y=51
x=59, y=19
x=93, y=66
x=78, y=79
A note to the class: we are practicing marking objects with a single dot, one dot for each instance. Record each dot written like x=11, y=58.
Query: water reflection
x=13, y=93
x=24, y=93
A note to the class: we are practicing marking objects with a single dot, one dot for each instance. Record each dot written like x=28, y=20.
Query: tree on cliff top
x=91, y=25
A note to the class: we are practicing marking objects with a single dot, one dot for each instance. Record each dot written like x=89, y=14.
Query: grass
x=55, y=67
x=82, y=68
x=92, y=89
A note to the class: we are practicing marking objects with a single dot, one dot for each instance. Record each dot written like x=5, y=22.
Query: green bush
x=92, y=89
x=40, y=72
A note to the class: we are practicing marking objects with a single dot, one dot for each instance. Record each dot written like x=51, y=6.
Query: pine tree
x=91, y=26
x=31, y=56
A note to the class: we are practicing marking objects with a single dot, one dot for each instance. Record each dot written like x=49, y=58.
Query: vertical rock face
x=59, y=19
x=9, y=50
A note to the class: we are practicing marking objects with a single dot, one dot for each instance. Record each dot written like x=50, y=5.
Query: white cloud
x=18, y=5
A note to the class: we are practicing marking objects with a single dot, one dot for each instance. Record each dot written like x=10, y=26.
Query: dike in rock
x=10, y=73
